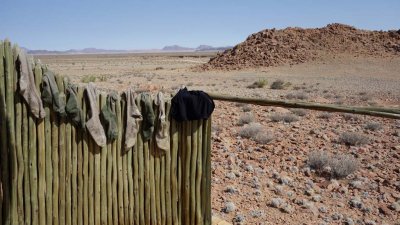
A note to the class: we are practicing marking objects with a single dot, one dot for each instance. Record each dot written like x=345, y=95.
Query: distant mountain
x=169, y=48
x=176, y=48
x=75, y=51
x=208, y=48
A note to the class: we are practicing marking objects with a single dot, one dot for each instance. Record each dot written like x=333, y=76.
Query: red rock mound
x=290, y=46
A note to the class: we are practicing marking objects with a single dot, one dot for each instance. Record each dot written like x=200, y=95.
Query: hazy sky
x=129, y=24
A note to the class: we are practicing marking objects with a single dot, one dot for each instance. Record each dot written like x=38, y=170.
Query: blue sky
x=129, y=24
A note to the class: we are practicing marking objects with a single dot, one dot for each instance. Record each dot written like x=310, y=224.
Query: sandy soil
x=249, y=175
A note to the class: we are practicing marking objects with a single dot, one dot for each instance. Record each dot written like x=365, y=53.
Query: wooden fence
x=53, y=172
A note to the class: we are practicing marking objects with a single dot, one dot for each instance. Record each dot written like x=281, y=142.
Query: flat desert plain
x=274, y=165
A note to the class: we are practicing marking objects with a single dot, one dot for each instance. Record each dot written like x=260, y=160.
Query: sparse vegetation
x=278, y=84
x=318, y=160
x=353, y=139
x=298, y=95
x=340, y=165
x=349, y=116
x=258, y=84
x=250, y=130
x=325, y=115
x=288, y=118
x=246, y=108
x=299, y=112
x=88, y=79
x=373, y=126
x=246, y=119
x=264, y=138
x=103, y=78
x=343, y=165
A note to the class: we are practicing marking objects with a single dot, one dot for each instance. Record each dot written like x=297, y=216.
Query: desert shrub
x=264, y=138
x=298, y=95
x=318, y=160
x=250, y=130
x=103, y=78
x=325, y=115
x=365, y=98
x=349, y=116
x=159, y=68
x=278, y=84
x=354, y=139
x=340, y=165
x=258, y=84
x=246, y=119
x=246, y=108
x=288, y=118
x=373, y=126
x=299, y=112
x=87, y=79
x=343, y=165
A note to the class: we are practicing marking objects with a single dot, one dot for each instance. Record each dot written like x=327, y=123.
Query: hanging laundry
x=109, y=117
x=191, y=105
x=133, y=117
x=93, y=125
x=51, y=95
x=148, y=116
x=72, y=108
x=27, y=86
x=162, y=126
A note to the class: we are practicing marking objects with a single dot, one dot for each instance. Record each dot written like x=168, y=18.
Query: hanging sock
x=133, y=117
x=93, y=125
x=27, y=86
x=51, y=95
x=148, y=116
x=109, y=117
x=191, y=105
x=72, y=108
x=162, y=131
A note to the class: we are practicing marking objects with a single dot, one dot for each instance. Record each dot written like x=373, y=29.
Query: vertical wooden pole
x=153, y=183
x=181, y=168
x=74, y=175
x=174, y=171
x=97, y=173
x=147, y=192
x=168, y=170
x=129, y=165
x=80, y=162
x=10, y=117
x=62, y=156
x=55, y=129
x=141, y=181
x=208, y=172
x=199, y=173
x=85, y=166
x=109, y=181
x=103, y=174
x=48, y=163
x=192, y=188
x=115, y=193
x=187, y=161
x=124, y=156
x=136, y=178
x=120, y=181
x=3, y=128
x=19, y=144
x=41, y=156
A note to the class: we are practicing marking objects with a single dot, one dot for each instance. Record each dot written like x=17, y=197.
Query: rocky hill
x=273, y=47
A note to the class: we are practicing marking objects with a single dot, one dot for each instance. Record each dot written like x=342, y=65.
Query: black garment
x=191, y=105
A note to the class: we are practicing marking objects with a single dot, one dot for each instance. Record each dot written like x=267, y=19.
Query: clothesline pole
x=371, y=111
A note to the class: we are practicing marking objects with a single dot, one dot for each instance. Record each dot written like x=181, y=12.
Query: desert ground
x=262, y=172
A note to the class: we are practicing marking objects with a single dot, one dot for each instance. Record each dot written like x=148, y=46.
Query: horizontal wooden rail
x=370, y=111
